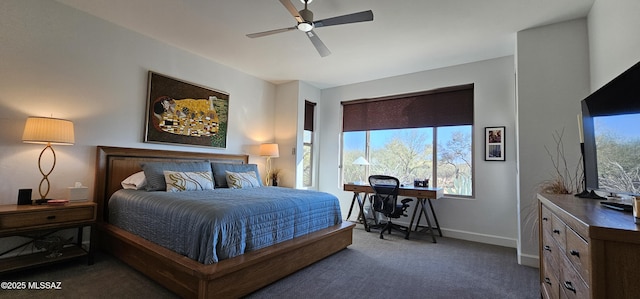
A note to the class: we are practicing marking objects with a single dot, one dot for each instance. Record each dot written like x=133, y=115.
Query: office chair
x=385, y=201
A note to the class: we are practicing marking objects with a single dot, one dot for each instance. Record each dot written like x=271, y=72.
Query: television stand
x=591, y=195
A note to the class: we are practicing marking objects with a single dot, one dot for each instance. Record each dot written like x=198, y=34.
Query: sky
x=626, y=125
x=356, y=140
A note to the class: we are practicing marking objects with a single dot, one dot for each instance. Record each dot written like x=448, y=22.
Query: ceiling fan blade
x=270, y=32
x=292, y=9
x=322, y=49
x=362, y=16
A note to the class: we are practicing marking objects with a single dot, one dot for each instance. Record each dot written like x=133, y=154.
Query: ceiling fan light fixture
x=305, y=26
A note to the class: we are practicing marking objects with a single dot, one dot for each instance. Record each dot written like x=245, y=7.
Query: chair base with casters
x=389, y=225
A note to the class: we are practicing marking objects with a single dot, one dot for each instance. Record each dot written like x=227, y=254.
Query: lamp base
x=40, y=201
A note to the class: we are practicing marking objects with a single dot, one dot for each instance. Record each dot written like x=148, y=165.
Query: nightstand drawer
x=43, y=217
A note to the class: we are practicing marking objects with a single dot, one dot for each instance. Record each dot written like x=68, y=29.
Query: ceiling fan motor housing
x=307, y=25
x=307, y=15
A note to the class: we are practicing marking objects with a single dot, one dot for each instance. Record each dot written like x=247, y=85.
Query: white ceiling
x=405, y=36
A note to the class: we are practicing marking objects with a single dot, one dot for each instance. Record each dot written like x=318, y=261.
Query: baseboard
x=529, y=260
x=474, y=237
x=481, y=238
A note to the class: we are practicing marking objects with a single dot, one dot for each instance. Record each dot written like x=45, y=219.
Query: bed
x=224, y=277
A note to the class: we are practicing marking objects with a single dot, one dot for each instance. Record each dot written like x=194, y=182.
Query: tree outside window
x=408, y=154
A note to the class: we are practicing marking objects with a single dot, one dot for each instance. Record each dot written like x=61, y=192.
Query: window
x=307, y=144
x=424, y=135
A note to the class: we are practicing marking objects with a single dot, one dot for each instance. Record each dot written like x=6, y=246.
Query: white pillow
x=135, y=181
x=178, y=181
x=239, y=180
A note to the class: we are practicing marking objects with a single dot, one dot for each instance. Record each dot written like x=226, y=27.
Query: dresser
x=587, y=250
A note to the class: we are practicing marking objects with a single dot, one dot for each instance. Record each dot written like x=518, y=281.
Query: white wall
x=614, y=39
x=57, y=61
x=553, y=77
x=491, y=216
x=287, y=132
x=289, y=129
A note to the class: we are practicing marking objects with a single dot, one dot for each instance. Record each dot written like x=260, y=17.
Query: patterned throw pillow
x=220, y=172
x=178, y=181
x=239, y=180
x=153, y=171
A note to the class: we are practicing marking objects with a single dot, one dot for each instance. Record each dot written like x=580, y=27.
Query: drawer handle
x=51, y=217
x=569, y=286
x=547, y=248
x=545, y=219
x=574, y=253
x=555, y=231
x=547, y=280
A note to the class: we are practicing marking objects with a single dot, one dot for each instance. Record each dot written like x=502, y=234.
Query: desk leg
x=353, y=201
x=418, y=222
x=434, y=217
x=426, y=216
x=361, y=216
x=413, y=216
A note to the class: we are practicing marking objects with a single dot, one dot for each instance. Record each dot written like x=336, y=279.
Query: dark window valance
x=308, y=115
x=440, y=107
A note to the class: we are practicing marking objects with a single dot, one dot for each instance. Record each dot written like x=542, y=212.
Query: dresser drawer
x=571, y=283
x=46, y=216
x=545, y=219
x=578, y=254
x=551, y=253
x=551, y=287
x=558, y=229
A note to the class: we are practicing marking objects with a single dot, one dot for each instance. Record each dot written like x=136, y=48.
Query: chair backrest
x=385, y=194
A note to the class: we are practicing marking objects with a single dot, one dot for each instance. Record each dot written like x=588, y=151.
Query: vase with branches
x=565, y=180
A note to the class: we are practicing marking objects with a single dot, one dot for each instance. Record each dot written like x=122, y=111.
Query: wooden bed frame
x=233, y=277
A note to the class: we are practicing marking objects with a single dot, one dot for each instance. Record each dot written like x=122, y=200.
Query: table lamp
x=269, y=150
x=361, y=161
x=49, y=131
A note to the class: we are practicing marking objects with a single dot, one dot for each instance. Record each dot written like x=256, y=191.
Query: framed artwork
x=184, y=113
x=494, y=143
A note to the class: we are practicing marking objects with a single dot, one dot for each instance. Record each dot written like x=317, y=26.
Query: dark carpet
x=370, y=268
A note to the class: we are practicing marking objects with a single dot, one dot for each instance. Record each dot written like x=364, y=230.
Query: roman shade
x=450, y=106
x=308, y=115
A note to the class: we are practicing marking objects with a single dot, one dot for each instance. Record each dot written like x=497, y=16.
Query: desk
x=422, y=195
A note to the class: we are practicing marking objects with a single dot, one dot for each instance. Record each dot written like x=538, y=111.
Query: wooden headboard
x=114, y=164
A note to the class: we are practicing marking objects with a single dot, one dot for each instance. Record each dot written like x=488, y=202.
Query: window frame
x=309, y=125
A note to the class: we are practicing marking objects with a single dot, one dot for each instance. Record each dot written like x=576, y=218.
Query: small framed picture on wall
x=494, y=143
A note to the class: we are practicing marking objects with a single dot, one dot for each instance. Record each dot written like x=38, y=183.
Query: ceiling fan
x=306, y=24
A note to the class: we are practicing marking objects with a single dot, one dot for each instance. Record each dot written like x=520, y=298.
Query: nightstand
x=37, y=221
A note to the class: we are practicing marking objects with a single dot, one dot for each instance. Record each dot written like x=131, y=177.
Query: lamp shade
x=48, y=130
x=269, y=150
x=361, y=161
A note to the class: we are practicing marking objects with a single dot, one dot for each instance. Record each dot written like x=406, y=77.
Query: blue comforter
x=209, y=226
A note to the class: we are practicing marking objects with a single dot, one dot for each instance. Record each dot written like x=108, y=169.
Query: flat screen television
x=611, y=122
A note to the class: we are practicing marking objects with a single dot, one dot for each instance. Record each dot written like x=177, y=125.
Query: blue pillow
x=154, y=172
x=220, y=172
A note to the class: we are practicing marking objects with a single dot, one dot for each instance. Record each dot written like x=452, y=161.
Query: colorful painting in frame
x=494, y=144
x=184, y=113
